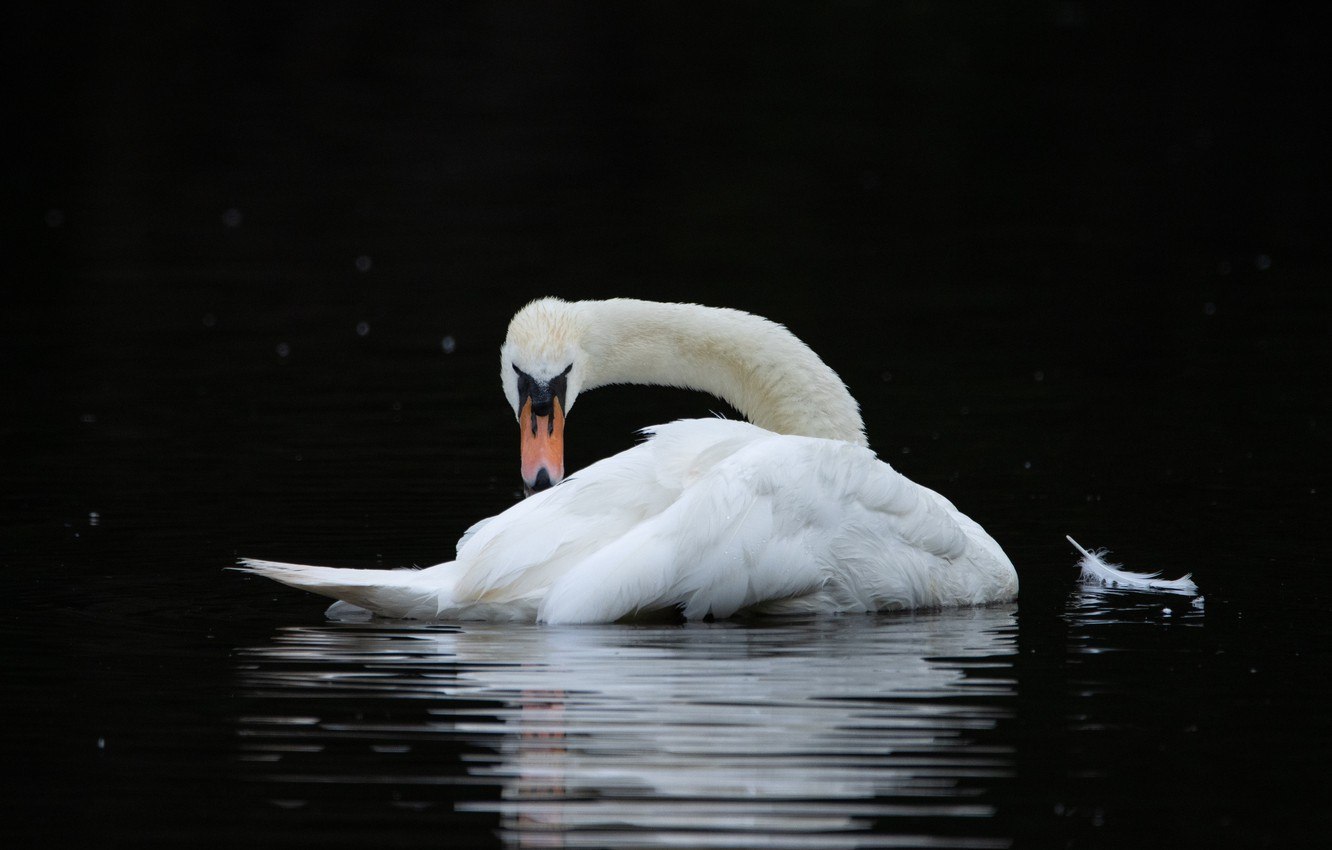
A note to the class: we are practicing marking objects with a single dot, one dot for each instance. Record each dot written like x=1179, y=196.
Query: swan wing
x=523, y=550
x=709, y=517
x=532, y=544
x=778, y=523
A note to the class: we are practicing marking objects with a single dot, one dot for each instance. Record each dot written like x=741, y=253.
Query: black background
x=1069, y=256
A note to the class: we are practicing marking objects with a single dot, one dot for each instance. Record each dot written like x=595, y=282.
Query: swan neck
x=757, y=366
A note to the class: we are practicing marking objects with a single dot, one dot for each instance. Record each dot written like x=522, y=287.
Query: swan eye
x=526, y=384
x=559, y=385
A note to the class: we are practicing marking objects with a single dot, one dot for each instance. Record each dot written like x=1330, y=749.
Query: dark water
x=1069, y=260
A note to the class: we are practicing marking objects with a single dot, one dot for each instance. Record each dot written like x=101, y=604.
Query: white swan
x=790, y=514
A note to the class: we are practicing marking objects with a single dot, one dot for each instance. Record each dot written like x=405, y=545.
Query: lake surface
x=261, y=271
x=156, y=698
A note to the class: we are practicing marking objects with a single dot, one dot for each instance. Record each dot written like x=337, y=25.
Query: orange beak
x=542, y=441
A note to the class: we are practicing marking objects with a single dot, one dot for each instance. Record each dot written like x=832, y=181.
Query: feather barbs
x=1095, y=570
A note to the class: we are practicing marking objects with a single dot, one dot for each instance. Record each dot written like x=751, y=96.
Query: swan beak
x=542, y=442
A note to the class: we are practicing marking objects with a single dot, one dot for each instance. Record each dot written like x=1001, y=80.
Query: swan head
x=542, y=369
x=556, y=349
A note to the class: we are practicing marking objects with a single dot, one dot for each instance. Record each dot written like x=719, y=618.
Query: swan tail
x=1095, y=570
x=389, y=593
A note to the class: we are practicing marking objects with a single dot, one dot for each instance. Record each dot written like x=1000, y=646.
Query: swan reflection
x=825, y=733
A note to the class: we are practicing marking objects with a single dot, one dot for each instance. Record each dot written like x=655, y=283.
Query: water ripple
x=837, y=732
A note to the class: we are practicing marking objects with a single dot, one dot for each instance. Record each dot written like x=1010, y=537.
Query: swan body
x=788, y=513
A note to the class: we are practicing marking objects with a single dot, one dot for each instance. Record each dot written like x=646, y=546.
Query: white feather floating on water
x=1095, y=569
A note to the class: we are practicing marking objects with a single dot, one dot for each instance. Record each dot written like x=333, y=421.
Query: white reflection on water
x=1092, y=604
x=836, y=732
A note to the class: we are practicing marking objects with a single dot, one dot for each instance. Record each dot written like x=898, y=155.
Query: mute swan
x=710, y=517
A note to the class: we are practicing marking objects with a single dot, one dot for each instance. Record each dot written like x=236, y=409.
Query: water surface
x=838, y=732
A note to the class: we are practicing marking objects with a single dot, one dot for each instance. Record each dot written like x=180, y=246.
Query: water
x=803, y=734
x=157, y=699
x=259, y=276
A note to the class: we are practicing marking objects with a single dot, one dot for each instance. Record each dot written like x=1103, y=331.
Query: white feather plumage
x=1095, y=570
x=708, y=517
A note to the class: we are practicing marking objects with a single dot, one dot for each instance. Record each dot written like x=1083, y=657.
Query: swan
x=788, y=513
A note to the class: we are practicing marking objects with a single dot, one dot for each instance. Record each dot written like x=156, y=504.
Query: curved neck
x=758, y=366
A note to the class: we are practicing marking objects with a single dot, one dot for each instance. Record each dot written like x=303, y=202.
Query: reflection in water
x=837, y=732
x=1093, y=604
